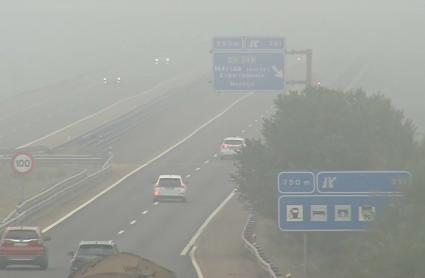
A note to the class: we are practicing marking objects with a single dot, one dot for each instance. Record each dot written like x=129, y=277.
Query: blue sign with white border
x=329, y=213
x=337, y=201
x=362, y=182
x=249, y=64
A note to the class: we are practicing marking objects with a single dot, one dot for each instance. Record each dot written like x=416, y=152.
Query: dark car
x=91, y=250
x=23, y=246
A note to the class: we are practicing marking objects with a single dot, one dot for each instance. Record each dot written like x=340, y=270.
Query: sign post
x=249, y=64
x=22, y=164
x=334, y=201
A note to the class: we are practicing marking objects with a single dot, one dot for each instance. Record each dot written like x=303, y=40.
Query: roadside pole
x=305, y=255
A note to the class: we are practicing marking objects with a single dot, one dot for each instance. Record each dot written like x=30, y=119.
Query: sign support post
x=305, y=239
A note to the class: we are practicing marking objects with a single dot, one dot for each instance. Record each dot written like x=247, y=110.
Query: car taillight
x=6, y=243
x=224, y=146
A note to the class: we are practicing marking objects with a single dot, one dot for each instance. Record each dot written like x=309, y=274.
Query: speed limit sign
x=22, y=163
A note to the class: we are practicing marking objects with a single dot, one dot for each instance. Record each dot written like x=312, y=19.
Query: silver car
x=169, y=187
x=231, y=146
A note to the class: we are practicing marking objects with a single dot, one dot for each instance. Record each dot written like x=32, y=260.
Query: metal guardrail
x=106, y=134
x=249, y=241
x=61, y=158
x=37, y=202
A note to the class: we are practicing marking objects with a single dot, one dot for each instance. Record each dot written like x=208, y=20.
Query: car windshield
x=95, y=250
x=233, y=142
x=22, y=234
x=169, y=182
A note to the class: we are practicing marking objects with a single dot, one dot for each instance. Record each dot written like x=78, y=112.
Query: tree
x=321, y=129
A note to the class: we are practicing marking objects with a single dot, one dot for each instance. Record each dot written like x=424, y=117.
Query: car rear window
x=96, y=250
x=169, y=182
x=233, y=142
x=21, y=234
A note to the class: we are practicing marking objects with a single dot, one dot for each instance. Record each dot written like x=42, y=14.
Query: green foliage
x=321, y=129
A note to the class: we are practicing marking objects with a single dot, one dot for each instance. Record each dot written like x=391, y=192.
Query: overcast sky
x=49, y=40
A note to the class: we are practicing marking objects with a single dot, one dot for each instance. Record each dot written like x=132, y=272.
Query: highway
x=32, y=115
x=127, y=215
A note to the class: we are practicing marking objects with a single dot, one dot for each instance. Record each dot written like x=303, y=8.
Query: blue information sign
x=329, y=213
x=296, y=182
x=249, y=64
x=362, y=182
x=335, y=201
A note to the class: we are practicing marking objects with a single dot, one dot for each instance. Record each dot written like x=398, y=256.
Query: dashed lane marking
x=193, y=133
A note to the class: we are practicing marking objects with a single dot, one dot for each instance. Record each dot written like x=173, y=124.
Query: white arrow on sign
x=23, y=163
x=277, y=72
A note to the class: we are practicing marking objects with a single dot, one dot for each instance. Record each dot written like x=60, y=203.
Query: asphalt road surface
x=160, y=231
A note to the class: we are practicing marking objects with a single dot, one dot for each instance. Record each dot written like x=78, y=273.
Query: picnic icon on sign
x=319, y=213
x=294, y=213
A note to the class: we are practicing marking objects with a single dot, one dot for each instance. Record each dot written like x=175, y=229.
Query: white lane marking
x=188, y=176
x=206, y=161
x=205, y=224
x=193, y=133
x=256, y=121
x=243, y=131
x=156, y=203
x=144, y=212
x=121, y=232
x=133, y=222
x=262, y=116
x=250, y=125
x=97, y=113
x=195, y=263
x=197, y=169
x=215, y=155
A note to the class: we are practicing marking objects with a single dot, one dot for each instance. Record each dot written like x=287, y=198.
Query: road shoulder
x=220, y=252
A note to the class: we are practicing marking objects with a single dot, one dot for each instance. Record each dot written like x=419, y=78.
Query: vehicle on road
x=162, y=60
x=169, y=187
x=23, y=246
x=91, y=250
x=231, y=146
x=123, y=265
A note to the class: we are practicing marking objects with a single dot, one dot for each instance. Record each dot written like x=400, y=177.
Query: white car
x=169, y=187
x=231, y=146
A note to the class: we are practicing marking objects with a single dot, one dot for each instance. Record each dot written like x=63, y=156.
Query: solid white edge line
x=205, y=224
x=94, y=114
x=71, y=213
x=195, y=263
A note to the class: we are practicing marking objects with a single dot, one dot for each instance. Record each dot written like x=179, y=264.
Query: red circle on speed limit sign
x=22, y=163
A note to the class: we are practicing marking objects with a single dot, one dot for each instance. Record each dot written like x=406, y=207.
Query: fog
x=46, y=41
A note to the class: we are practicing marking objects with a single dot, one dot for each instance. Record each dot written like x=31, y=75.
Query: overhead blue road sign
x=296, y=182
x=362, y=182
x=249, y=64
x=329, y=213
x=226, y=43
x=249, y=71
x=264, y=43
